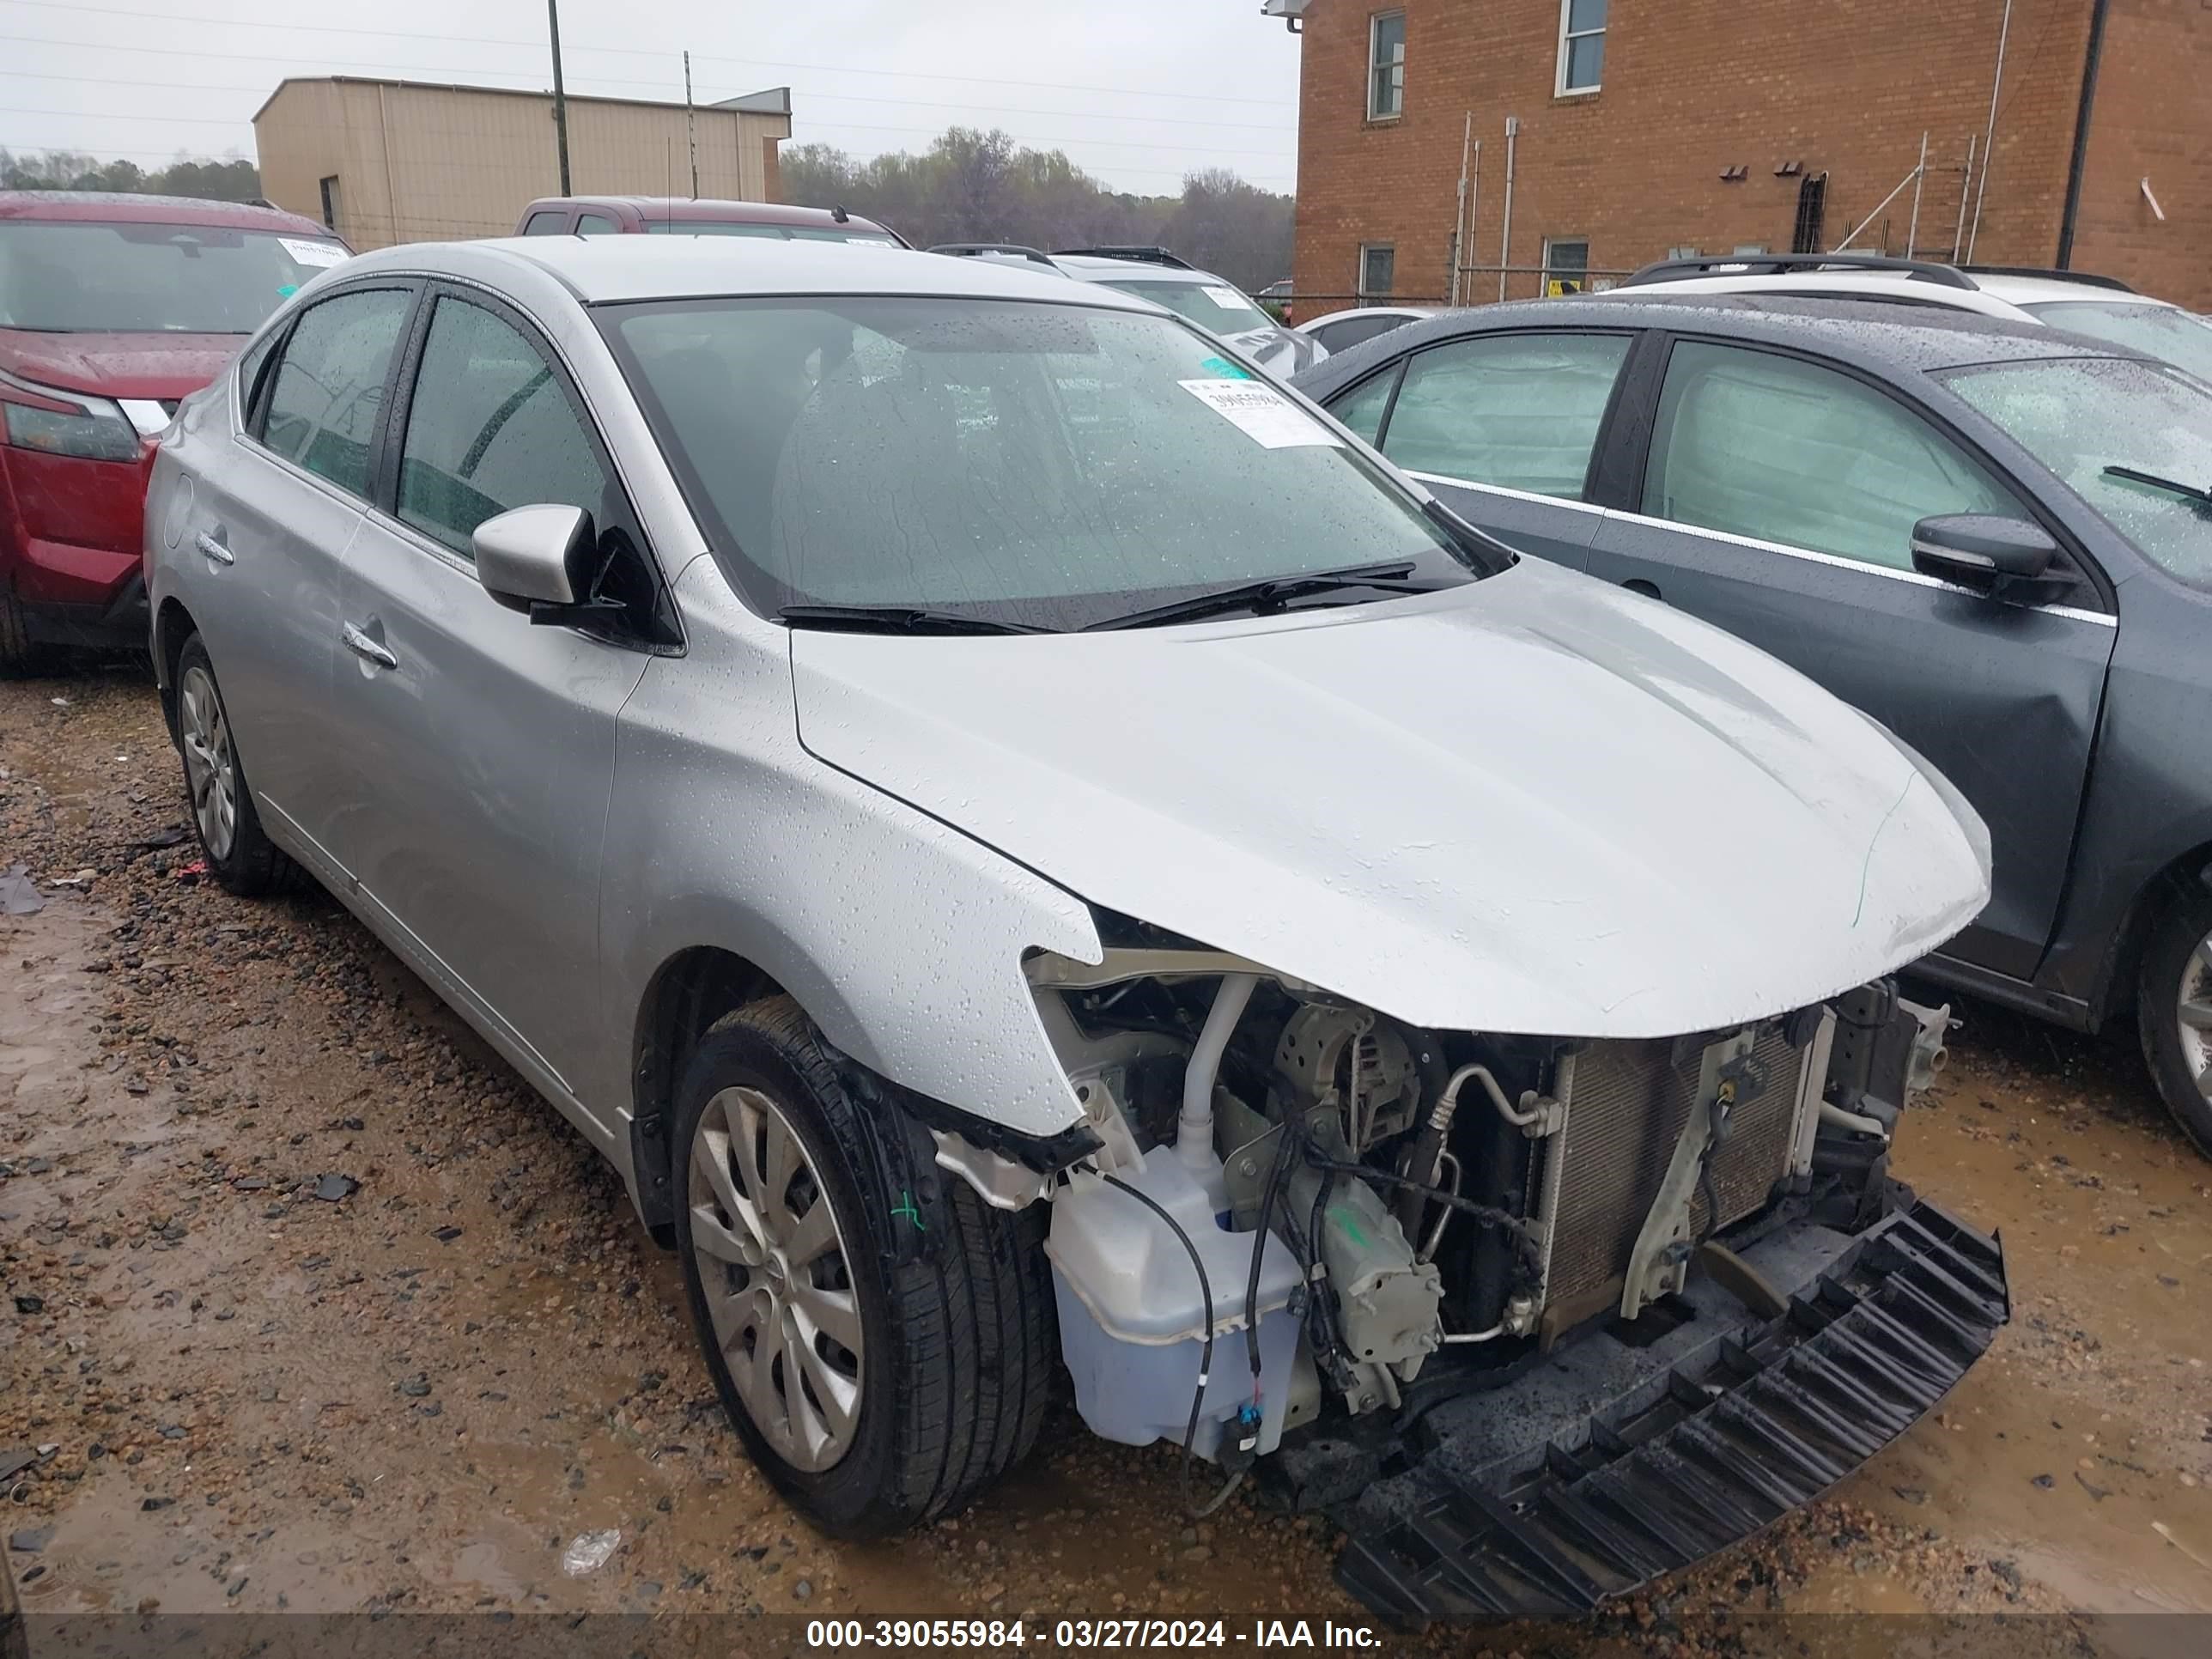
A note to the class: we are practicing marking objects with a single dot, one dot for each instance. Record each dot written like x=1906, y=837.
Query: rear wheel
x=2174, y=1011
x=238, y=854
x=883, y=1358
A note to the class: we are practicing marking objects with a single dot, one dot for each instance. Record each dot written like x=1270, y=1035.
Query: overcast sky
x=1138, y=92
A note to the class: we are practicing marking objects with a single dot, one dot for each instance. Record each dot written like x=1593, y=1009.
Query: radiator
x=1629, y=1105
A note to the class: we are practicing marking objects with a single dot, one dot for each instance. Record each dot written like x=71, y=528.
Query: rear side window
x=489, y=427
x=596, y=224
x=1782, y=451
x=1522, y=411
x=329, y=386
x=550, y=221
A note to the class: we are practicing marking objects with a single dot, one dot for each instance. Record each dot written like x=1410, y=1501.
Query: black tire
x=959, y=1343
x=2170, y=959
x=250, y=866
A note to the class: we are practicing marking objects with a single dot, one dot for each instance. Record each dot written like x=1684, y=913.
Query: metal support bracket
x=1660, y=1263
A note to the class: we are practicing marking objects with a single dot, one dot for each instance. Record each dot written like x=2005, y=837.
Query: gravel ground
x=313, y=1306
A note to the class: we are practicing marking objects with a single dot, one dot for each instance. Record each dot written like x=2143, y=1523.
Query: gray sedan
x=1994, y=537
x=1026, y=845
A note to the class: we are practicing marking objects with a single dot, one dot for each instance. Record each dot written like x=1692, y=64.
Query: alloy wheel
x=210, y=767
x=779, y=1287
x=2193, y=1010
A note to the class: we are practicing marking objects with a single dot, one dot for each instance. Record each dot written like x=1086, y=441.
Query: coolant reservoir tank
x=1132, y=1319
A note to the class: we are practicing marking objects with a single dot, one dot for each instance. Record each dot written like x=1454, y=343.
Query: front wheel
x=882, y=1355
x=2174, y=1011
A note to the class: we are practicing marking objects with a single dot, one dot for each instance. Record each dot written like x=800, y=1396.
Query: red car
x=111, y=308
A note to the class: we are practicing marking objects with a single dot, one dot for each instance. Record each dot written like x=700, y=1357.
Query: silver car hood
x=1535, y=804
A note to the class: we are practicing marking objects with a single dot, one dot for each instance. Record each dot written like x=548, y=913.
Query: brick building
x=1606, y=133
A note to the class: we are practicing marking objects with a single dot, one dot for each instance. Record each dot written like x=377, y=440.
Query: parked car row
x=1100, y=858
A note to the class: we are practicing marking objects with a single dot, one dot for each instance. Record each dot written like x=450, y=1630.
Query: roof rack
x=2084, y=277
x=1005, y=250
x=1137, y=256
x=1776, y=264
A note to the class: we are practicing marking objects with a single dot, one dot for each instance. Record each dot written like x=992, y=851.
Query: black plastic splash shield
x=1778, y=1415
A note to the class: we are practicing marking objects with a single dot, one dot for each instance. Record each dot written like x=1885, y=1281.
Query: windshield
x=771, y=232
x=1042, y=465
x=1213, y=306
x=2155, y=331
x=73, y=277
x=2084, y=415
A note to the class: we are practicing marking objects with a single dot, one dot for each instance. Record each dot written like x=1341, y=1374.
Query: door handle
x=372, y=650
x=212, y=546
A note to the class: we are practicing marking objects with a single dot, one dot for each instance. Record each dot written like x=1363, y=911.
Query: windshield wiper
x=2193, y=492
x=896, y=619
x=1272, y=594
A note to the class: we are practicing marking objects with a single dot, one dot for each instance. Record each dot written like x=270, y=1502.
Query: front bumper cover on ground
x=1702, y=1456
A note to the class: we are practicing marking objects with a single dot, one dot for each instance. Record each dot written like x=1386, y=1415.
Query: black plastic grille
x=1670, y=1475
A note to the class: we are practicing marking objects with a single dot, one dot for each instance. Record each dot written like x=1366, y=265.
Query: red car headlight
x=57, y=422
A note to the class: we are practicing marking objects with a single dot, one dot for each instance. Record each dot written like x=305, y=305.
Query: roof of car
x=2023, y=290
x=116, y=206
x=709, y=210
x=1132, y=270
x=1870, y=333
x=599, y=269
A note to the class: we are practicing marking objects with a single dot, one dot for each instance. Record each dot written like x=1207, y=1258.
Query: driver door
x=482, y=745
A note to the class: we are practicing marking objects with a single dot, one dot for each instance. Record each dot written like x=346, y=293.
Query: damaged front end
x=1533, y=1318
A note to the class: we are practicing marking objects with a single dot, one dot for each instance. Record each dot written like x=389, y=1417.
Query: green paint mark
x=1348, y=1219
x=906, y=1208
x=286, y=290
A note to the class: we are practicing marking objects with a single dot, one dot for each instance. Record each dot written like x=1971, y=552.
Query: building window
x=1386, y=66
x=1582, y=45
x=1378, y=272
x=1567, y=268
x=331, y=203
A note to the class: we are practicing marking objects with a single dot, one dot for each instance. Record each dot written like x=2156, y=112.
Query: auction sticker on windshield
x=1262, y=414
x=313, y=253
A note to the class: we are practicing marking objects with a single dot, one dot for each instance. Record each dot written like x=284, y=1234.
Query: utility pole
x=690, y=126
x=560, y=95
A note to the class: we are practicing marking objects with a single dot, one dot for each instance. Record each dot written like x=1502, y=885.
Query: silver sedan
x=832, y=717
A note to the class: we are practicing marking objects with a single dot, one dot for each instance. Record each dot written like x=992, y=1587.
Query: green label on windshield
x=1225, y=369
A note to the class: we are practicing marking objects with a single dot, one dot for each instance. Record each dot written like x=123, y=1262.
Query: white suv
x=2101, y=308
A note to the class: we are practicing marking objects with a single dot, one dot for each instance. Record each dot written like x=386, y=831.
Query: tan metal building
x=387, y=161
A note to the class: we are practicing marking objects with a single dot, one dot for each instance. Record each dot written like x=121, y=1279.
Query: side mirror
x=540, y=560
x=1979, y=549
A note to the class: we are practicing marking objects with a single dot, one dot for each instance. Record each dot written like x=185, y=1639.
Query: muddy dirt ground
x=310, y=1305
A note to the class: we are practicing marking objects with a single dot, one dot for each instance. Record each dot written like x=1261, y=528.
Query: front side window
x=1522, y=411
x=2160, y=332
x=1378, y=271
x=1038, y=465
x=1782, y=451
x=1582, y=45
x=2131, y=439
x=1363, y=408
x=489, y=427
x=75, y=277
x=328, y=387
x=1386, y=66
